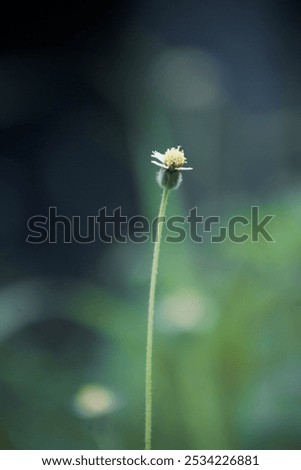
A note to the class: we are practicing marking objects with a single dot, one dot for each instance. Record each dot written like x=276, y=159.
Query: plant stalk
x=150, y=323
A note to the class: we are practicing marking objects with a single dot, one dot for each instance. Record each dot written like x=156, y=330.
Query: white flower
x=173, y=159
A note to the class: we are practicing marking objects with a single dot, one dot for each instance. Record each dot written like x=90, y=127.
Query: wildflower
x=172, y=160
x=171, y=163
x=169, y=177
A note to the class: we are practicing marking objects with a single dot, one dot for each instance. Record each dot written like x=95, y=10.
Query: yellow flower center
x=174, y=157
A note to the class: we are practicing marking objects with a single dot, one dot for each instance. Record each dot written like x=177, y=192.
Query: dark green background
x=86, y=94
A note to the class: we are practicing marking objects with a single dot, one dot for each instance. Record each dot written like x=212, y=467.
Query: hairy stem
x=150, y=324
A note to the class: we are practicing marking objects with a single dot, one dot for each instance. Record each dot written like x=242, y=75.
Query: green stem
x=150, y=324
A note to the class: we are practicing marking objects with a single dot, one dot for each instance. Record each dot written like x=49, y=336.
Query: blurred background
x=86, y=93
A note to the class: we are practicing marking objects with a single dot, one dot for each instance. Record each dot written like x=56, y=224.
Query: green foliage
x=226, y=366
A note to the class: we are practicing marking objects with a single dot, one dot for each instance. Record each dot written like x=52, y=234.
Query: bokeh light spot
x=188, y=78
x=94, y=400
x=186, y=311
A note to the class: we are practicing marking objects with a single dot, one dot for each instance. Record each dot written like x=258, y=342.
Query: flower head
x=172, y=160
x=171, y=163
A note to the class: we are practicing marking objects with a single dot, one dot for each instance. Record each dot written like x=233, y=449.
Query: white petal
x=159, y=164
x=185, y=168
x=158, y=156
